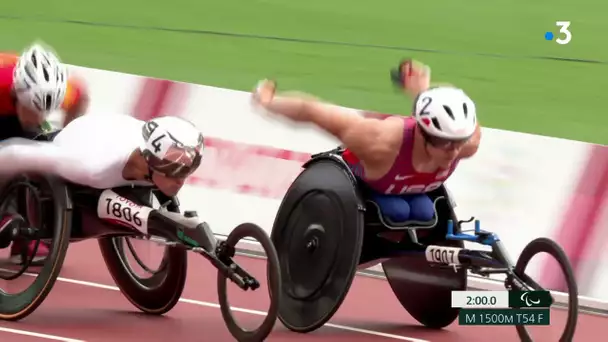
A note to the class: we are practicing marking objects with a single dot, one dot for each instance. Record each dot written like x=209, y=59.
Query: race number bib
x=442, y=255
x=119, y=210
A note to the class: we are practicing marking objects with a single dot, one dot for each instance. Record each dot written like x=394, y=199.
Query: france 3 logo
x=564, y=36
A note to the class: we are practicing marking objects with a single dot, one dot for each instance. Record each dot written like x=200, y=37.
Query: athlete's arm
x=472, y=145
x=416, y=78
x=365, y=137
x=414, y=92
x=8, y=59
x=18, y=155
x=413, y=77
x=76, y=100
x=368, y=138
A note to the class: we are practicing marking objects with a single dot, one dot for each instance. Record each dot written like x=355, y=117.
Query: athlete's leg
x=10, y=127
x=421, y=207
x=22, y=250
x=395, y=208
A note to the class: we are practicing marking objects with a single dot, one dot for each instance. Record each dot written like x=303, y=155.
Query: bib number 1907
x=442, y=255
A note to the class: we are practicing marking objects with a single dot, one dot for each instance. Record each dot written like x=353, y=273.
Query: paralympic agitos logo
x=530, y=299
x=526, y=298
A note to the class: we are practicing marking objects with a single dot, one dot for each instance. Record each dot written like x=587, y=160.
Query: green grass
x=557, y=98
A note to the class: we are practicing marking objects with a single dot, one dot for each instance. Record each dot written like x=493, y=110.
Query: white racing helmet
x=172, y=146
x=446, y=113
x=40, y=79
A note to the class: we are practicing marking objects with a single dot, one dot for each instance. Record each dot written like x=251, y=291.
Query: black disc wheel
x=318, y=234
x=43, y=204
x=548, y=246
x=250, y=230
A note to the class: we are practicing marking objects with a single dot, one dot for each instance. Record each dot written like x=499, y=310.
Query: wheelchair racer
x=107, y=151
x=399, y=158
x=32, y=85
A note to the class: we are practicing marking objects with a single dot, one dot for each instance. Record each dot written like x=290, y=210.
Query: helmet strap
x=424, y=139
x=426, y=147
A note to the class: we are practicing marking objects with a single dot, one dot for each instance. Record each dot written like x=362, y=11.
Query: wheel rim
x=56, y=227
x=544, y=245
x=274, y=286
x=155, y=278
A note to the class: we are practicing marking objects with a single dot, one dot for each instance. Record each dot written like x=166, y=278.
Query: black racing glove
x=398, y=74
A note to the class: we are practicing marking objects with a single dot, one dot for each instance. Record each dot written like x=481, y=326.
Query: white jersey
x=92, y=150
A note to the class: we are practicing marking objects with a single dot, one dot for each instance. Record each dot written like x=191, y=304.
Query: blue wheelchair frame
x=480, y=262
x=481, y=237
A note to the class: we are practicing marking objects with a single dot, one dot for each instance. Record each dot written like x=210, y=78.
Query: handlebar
x=188, y=229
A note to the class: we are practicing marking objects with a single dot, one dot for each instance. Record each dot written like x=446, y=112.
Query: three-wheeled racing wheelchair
x=326, y=229
x=65, y=212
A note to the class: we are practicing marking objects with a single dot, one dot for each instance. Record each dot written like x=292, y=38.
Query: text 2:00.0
x=481, y=300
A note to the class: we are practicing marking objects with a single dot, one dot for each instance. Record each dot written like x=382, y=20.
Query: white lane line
x=35, y=334
x=247, y=311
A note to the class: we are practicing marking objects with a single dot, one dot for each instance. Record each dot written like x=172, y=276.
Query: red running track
x=85, y=306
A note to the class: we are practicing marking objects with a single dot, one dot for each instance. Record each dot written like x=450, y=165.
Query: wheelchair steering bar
x=175, y=227
x=198, y=237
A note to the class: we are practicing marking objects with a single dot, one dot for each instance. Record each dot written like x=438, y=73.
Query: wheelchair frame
x=76, y=219
x=429, y=259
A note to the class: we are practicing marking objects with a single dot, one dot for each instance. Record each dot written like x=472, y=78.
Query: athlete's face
x=445, y=153
x=169, y=186
x=28, y=117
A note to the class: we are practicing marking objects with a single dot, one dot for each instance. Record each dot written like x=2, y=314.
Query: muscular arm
x=414, y=93
x=76, y=101
x=19, y=155
x=77, y=110
x=365, y=137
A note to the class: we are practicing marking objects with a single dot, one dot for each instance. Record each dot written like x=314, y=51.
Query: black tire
x=58, y=211
x=160, y=292
x=413, y=274
x=322, y=205
x=274, y=285
x=544, y=245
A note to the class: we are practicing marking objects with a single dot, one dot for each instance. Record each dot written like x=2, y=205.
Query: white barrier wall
x=519, y=185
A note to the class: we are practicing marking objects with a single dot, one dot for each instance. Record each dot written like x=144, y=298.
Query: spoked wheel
x=125, y=247
x=274, y=285
x=156, y=292
x=544, y=245
x=40, y=199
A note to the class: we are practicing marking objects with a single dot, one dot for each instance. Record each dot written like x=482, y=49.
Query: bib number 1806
x=122, y=208
x=119, y=210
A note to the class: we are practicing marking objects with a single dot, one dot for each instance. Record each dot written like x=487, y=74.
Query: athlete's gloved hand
x=289, y=105
x=411, y=76
x=264, y=102
x=264, y=92
x=398, y=74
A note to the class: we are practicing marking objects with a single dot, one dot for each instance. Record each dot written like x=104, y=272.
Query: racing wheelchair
x=66, y=212
x=326, y=229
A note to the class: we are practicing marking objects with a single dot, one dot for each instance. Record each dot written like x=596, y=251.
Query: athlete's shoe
x=17, y=252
